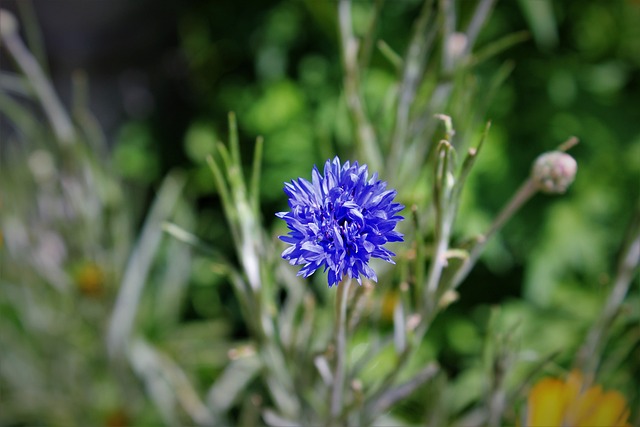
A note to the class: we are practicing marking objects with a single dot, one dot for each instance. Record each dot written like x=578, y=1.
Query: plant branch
x=394, y=395
x=479, y=17
x=349, y=50
x=524, y=193
x=135, y=275
x=414, y=64
x=341, y=344
x=444, y=219
x=367, y=44
x=527, y=190
x=588, y=357
x=62, y=126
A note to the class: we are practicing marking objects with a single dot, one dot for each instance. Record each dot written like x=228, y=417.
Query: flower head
x=339, y=221
x=553, y=172
x=553, y=402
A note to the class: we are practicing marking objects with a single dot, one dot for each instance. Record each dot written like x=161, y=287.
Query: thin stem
x=137, y=270
x=498, y=396
x=366, y=136
x=420, y=255
x=53, y=108
x=443, y=223
x=225, y=196
x=528, y=379
x=394, y=395
x=568, y=144
x=390, y=54
x=234, y=146
x=414, y=63
x=524, y=193
x=588, y=357
x=367, y=44
x=33, y=35
x=527, y=190
x=256, y=175
x=341, y=344
x=479, y=17
x=468, y=162
x=500, y=45
x=87, y=122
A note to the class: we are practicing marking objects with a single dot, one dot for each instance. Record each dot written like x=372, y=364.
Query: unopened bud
x=553, y=172
x=8, y=23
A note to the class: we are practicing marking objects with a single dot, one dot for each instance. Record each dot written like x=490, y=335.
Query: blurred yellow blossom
x=572, y=403
x=90, y=279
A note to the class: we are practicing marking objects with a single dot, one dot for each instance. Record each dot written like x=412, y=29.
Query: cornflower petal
x=339, y=221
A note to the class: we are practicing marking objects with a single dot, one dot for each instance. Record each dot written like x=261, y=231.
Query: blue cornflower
x=339, y=221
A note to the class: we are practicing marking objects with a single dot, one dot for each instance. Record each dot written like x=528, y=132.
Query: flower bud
x=553, y=172
x=8, y=23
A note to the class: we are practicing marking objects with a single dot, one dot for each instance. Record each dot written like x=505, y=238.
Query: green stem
x=524, y=193
x=60, y=122
x=366, y=136
x=527, y=190
x=341, y=346
x=589, y=355
x=443, y=223
x=414, y=64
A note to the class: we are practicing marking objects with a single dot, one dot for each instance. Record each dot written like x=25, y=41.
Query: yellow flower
x=90, y=279
x=571, y=403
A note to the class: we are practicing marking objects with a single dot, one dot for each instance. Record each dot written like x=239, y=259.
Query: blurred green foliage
x=277, y=66
x=578, y=74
